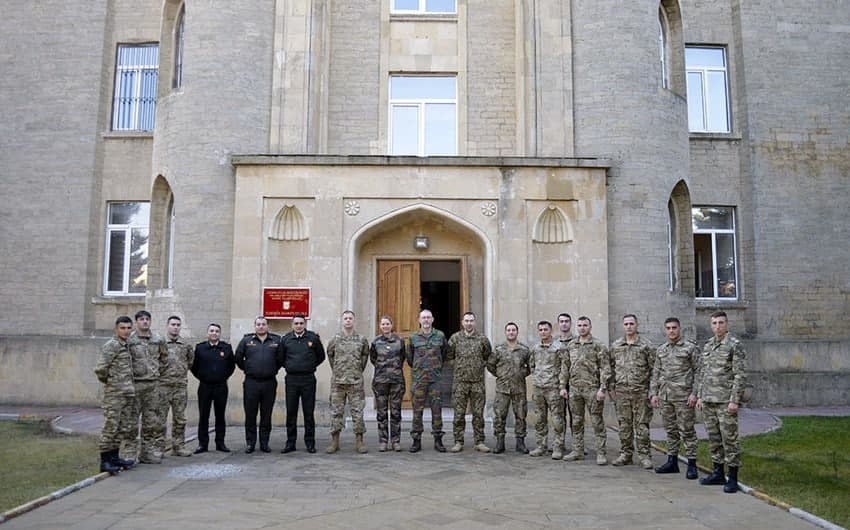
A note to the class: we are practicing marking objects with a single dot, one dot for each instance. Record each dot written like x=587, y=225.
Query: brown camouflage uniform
x=115, y=370
x=426, y=355
x=347, y=355
x=387, y=355
x=509, y=364
x=632, y=364
x=586, y=369
x=469, y=354
x=545, y=365
x=149, y=357
x=673, y=376
x=723, y=374
x=172, y=388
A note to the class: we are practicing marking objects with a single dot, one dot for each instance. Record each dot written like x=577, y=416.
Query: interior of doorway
x=440, y=291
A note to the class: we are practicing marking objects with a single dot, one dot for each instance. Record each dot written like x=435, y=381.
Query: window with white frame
x=715, y=255
x=424, y=6
x=136, y=72
x=126, y=260
x=663, y=44
x=423, y=115
x=708, y=89
x=177, y=79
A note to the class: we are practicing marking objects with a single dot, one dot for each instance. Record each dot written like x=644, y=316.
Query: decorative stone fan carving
x=289, y=225
x=552, y=227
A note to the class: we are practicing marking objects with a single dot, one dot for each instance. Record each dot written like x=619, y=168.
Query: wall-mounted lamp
x=421, y=243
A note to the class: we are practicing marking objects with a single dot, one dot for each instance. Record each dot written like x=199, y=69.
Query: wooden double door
x=405, y=287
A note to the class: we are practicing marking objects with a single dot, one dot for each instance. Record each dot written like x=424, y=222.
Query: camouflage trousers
x=581, y=401
x=678, y=419
x=356, y=402
x=469, y=394
x=722, y=428
x=147, y=406
x=425, y=392
x=501, y=404
x=550, y=409
x=388, y=398
x=634, y=414
x=173, y=396
x=117, y=419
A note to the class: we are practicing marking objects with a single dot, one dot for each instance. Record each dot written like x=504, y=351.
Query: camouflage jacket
x=387, y=355
x=586, y=366
x=544, y=362
x=180, y=358
x=723, y=371
x=632, y=365
x=115, y=367
x=469, y=354
x=149, y=356
x=426, y=355
x=676, y=366
x=347, y=355
x=510, y=366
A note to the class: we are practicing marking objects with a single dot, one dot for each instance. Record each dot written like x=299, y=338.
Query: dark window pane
x=115, y=262
x=704, y=266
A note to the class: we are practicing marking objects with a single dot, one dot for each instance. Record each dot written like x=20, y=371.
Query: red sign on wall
x=286, y=302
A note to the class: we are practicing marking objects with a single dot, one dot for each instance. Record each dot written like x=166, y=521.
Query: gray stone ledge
x=127, y=135
x=720, y=137
x=433, y=161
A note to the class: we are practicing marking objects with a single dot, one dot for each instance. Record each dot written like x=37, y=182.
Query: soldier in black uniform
x=300, y=352
x=214, y=363
x=256, y=355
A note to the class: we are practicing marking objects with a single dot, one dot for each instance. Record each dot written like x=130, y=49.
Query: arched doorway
x=389, y=274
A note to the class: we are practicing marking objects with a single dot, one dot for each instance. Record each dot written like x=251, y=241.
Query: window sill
x=118, y=299
x=123, y=135
x=423, y=17
x=719, y=303
x=710, y=136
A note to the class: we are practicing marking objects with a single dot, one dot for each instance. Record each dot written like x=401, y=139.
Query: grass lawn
x=806, y=463
x=36, y=461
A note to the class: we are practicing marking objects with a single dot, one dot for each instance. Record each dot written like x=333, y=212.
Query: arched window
x=680, y=240
x=177, y=79
x=664, y=46
x=671, y=47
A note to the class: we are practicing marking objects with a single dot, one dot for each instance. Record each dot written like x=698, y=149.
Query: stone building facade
x=601, y=158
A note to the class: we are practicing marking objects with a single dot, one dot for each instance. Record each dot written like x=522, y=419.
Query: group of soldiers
x=572, y=375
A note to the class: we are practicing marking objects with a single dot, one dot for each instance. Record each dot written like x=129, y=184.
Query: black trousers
x=258, y=395
x=301, y=387
x=215, y=395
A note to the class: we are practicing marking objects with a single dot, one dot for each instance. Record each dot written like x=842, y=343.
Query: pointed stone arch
x=289, y=225
x=161, y=250
x=672, y=47
x=552, y=226
x=680, y=240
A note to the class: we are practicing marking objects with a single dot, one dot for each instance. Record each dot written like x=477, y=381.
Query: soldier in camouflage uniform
x=347, y=353
x=115, y=370
x=672, y=388
x=585, y=375
x=509, y=364
x=632, y=358
x=173, y=382
x=723, y=376
x=426, y=353
x=544, y=362
x=149, y=358
x=387, y=355
x=565, y=336
x=469, y=350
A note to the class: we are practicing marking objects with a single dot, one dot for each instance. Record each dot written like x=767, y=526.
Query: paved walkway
x=395, y=490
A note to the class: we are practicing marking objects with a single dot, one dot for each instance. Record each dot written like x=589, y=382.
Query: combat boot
x=481, y=447
x=601, y=459
x=359, y=445
x=731, y=485
x=557, y=453
x=500, y=444
x=576, y=454
x=456, y=448
x=334, y=446
x=106, y=464
x=179, y=450
x=416, y=446
x=716, y=478
x=153, y=457
x=520, y=446
x=396, y=447
x=382, y=447
x=622, y=460
x=540, y=450
x=438, y=444
x=691, y=473
x=670, y=466
x=120, y=462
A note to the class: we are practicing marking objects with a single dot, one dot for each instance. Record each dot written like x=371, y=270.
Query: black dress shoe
x=288, y=448
x=265, y=448
x=311, y=449
x=200, y=450
x=221, y=447
x=249, y=449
